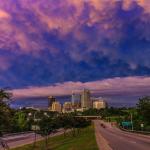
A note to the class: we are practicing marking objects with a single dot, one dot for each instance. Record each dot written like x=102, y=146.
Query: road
x=20, y=139
x=121, y=140
x=23, y=139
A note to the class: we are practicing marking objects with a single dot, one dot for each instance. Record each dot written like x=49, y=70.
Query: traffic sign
x=126, y=124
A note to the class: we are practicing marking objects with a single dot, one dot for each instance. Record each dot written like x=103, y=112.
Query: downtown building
x=75, y=100
x=67, y=107
x=99, y=103
x=85, y=99
x=51, y=100
x=56, y=106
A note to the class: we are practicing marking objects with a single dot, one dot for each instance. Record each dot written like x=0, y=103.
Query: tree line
x=12, y=120
x=39, y=121
x=140, y=114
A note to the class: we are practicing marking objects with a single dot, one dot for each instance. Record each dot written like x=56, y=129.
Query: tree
x=47, y=126
x=65, y=121
x=72, y=123
x=4, y=95
x=80, y=123
x=20, y=121
x=5, y=111
x=143, y=108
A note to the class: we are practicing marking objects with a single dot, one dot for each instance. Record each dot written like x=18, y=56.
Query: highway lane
x=120, y=140
x=23, y=139
x=20, y=139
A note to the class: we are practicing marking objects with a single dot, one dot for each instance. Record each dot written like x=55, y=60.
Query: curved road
x=120, y=140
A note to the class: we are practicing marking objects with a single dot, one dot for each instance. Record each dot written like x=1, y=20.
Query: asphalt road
x=19, y=140
x=23, y=139
x=121, y=140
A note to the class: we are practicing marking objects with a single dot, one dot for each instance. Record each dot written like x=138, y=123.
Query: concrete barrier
x=18, y=133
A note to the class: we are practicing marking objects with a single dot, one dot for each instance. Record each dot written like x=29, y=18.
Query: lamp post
x=142, y=126
x=34, y=119
x=132, y=121
x=35, y=127
x=46, y=131
x=45, y=113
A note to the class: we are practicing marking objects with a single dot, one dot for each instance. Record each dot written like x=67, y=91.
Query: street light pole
x=34, y=118
x=132, y=121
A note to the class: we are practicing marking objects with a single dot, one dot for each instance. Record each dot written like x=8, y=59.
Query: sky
x=51, y=47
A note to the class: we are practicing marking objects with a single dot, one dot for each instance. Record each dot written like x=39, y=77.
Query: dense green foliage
x=143, y=109
x=107, y=112
x=85, y=140
x=5, y=112
x=23, y=120
x=48, y=125
x=139, y=115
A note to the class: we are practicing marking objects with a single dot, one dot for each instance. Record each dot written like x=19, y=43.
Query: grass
x=83, y=141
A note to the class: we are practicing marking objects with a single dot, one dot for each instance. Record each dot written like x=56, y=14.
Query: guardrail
x=134, y=131
x=18, y=133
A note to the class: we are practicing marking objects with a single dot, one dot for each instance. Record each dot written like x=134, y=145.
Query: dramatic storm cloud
x=43, y=42
x=117, y=86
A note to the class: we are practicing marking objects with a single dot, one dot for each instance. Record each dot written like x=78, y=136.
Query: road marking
x=132, y=142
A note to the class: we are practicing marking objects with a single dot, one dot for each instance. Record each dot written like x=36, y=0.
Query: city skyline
x=75, y=74
x=55, y=47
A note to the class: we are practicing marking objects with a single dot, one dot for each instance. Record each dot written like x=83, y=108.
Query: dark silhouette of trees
x=5, y=111
x=72, y=123
x=47, y=126
x=143, y=108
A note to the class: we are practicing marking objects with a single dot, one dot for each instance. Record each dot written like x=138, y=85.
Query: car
x=102, y=125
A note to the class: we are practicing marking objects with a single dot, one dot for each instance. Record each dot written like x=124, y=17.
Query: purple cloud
x=128, y=86
x=84, y=38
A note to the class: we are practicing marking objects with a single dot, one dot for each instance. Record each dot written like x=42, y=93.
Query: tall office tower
x=51, y=99
x=85, y=99
x=76, y=100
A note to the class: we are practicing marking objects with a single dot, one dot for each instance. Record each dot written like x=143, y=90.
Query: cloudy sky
x=56, y=46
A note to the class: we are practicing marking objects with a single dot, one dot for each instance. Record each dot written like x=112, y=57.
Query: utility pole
x=35, y=127
x=35, y=122
x=132, y=121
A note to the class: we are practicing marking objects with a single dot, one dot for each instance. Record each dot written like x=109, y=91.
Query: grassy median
x=82, y=141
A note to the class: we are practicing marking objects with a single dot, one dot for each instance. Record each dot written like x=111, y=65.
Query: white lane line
x=132, y=142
